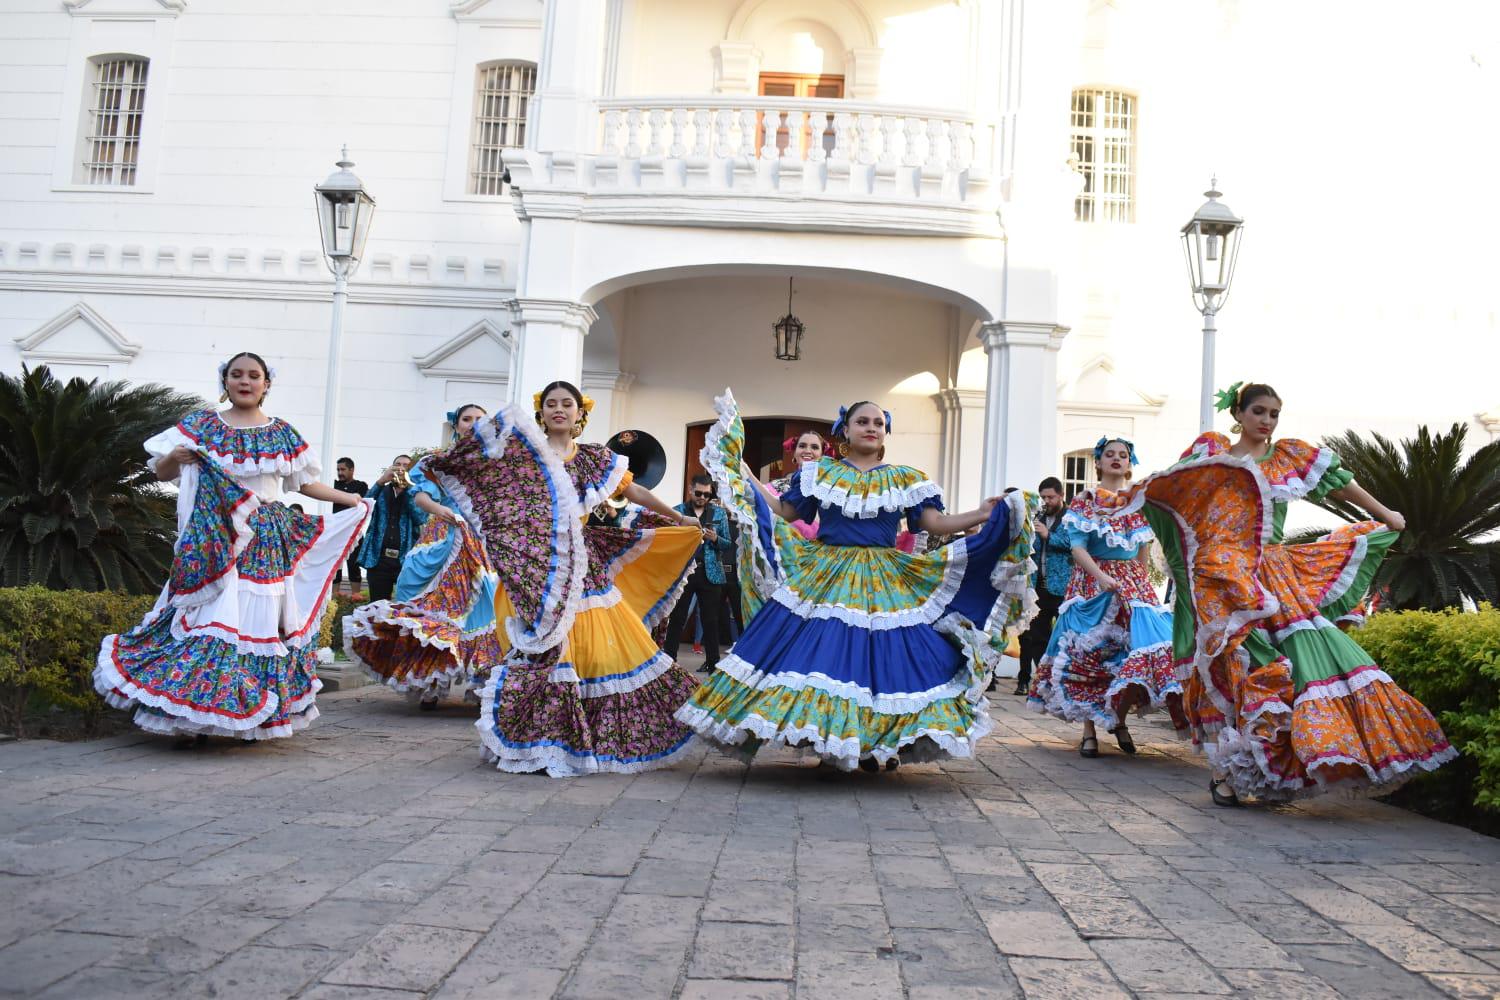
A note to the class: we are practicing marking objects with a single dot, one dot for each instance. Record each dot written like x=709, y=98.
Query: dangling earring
x=578, y=427
x=880, y=457
x=1235, y=428
x=843, y=449
x=224, y=396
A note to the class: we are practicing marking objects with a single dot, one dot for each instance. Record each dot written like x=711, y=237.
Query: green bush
x=49, y=641
x=1450, y=661
x=332, y=634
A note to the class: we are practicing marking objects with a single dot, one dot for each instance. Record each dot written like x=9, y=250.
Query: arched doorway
x=764, y=437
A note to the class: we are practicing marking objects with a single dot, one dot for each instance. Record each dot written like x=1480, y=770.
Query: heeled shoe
x=869, y=765
x=1084, y=750
x=1123, y=738
x=1219, y=798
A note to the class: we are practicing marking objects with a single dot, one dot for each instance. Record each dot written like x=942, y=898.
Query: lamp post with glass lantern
x=1211, y=242
x=344, y=213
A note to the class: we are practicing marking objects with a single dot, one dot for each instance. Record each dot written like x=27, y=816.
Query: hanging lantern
x=788, y=330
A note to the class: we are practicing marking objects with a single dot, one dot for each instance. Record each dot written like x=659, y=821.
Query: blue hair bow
x=452, y=416
x=1104, y=441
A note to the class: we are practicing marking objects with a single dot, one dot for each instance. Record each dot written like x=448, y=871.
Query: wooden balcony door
x=797, y=85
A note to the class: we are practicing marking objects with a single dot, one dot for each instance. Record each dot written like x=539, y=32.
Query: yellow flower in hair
x=588, y=404
x=536, y=401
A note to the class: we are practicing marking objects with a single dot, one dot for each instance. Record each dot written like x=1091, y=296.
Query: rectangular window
x=501, y=101
x=112, y=136
x=1102, y=135
x=1078, y=473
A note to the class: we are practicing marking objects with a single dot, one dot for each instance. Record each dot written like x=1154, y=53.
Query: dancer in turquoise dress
x=860, y=653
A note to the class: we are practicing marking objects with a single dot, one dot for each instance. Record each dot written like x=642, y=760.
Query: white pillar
x=569, y=76
x=1020, y=413
x=960, y=446
x=548, y=336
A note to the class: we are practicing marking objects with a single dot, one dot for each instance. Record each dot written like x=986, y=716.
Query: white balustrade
x=865, y=137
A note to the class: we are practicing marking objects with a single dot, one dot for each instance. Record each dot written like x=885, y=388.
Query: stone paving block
x=1159, y=967
x=536, y=839
x=339, y=925
x=1466, y=987
x=1292, y=924
x=951, y=960
x=734, y=989
x=444, y=847
x=1176, y=899
x=971, y=860
x=326, y=991
x=1358, y=971
x=750, y=902
x=837, y=892
x=1343, y=907
x=1035, y=934
x=140, y=912
x=855, y=929
x=1459, y=927
x=192, y=942
x=661, y=877
x=505, y=869
x=1231, y=945
x=1282, y=984
x=113, y=984
x=466, y=907
x=1415, y=950
x=686, y=849
x=404, y=957
x=1111, y=917
x=841, y=975
x=258, y=971
x=548, y=928
x=931, y=909
x=600, y=852
x=726, y=950
x=1074, y=880
x=904, y=872
x=1055, y=979
x=35, y=962
x=396, y=882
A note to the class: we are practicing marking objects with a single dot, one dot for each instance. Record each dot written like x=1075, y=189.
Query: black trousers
x=383, y=578
x=736, y=612
x=355, y=569
x=710, y=597
x=1034, y=640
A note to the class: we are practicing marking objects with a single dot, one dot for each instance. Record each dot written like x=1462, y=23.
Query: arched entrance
x=764, y=437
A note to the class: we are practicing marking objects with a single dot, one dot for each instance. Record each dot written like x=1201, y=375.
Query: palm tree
x=1451, y=506
x=78, y=507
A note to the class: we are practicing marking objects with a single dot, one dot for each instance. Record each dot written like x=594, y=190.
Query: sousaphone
x=647, y=459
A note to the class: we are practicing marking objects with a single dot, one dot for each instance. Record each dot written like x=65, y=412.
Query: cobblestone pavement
x=375, y=857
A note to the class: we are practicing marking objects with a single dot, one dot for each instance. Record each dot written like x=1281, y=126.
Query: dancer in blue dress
x=861, y=653
x=229, y=649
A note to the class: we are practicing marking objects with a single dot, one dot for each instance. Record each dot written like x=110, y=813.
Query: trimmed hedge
x=49, y=640
x=1450, y=661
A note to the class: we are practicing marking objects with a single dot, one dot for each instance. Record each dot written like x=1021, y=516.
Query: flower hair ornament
x=1228, y=399
x=584, y=409
x=841, y=424
x=790, y=443
x=1103, y=442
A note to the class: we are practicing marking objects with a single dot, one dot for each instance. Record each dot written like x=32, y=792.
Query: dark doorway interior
x=763, y=440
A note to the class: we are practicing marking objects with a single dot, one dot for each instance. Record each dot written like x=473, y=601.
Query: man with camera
x=707, y=582
x=394, y=527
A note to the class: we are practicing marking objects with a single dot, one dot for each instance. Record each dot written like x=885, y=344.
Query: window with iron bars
x=1078, y=473
x=1102, y=134
x=502, y=98
x=112, y=134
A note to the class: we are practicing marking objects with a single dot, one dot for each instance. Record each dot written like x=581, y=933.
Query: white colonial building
x=622, y=192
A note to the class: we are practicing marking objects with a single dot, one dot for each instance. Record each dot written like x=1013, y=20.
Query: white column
x=960, y=446
x=569, y=76
x=548, y=337
x=1020, y=413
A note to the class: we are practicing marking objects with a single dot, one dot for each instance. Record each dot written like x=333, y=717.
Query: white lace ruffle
x=843, y=753
x=174, y=726
x=1341, y=584
x=297, y=471
x=1013, y=579
x=765, y=573
x=596, y=494
x=894, y=499
x=1343, y=687
x=1107, y=532
x=659, y=664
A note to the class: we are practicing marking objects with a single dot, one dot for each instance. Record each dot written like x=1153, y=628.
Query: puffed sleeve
x=806, y=506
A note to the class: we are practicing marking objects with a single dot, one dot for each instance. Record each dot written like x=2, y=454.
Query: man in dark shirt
x=394, y=525
x=346, y=483
x=707, y=581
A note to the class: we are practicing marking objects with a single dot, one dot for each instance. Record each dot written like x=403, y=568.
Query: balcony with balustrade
x=773, y=162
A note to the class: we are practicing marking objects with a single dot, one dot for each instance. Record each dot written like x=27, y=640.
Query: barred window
x=1102, y=133
x=1078, y=473
x=112, y=132
x=502, y=99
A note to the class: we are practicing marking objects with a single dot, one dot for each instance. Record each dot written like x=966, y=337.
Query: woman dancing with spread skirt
x=1111, y=649
x=229, y=649
x=1288, y=703
x=441, y=626
x=861, y=653
x=582, y=687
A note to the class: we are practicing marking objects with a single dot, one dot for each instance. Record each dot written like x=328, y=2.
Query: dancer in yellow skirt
x=582, y=687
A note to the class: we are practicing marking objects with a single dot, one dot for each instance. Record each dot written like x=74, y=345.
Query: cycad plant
x=1447, y=554
x=78, y=507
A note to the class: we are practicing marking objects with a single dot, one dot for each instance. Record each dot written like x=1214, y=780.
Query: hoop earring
x=880, y=457
x=1235, y=428
x=224, y=396
x=843, y=449
x=577, y=430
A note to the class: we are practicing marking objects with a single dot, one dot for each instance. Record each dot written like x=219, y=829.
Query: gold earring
x=843, y=449
x=1235, y=428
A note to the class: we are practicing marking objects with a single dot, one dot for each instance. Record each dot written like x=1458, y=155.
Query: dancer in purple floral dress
x=583, y=687
x=229, y=649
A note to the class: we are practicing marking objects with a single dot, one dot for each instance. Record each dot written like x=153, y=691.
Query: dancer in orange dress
x=1287, y=702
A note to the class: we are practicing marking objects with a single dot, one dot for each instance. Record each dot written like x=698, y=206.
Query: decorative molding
x=472, y=10
x=1103, y=362
x=137, y=8
x=118, y=350
x=855, y=17
x=1004, y=334
x=1490, y=421
x=559, y=312
x=435, y=363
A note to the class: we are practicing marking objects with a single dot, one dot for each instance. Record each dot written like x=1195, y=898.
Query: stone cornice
x=1022, y=333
